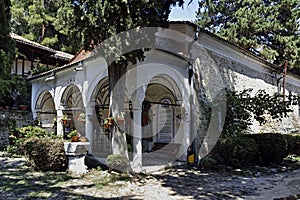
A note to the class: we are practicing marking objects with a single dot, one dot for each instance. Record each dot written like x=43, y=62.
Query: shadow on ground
x=19, y=182
x=206, y=184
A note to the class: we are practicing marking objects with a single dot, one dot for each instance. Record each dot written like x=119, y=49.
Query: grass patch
x=26, y=183
x=40, y=194
x=107, y=180
x=103, y=178
x=23, y=181
x=292, y=161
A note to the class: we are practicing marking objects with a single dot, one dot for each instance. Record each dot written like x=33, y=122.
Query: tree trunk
x=116, y=74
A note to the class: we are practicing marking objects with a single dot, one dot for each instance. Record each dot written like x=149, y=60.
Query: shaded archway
x=160, y=110
x=73, y=107
x=46, y=113
x=101, y=138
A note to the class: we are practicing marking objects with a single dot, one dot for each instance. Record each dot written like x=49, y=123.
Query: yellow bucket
x=191, y=159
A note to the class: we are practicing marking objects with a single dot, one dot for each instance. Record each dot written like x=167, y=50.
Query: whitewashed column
x=137, y=164
x=59, y=128
x=89, y=127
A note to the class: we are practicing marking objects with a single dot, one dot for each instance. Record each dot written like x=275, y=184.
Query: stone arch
x=167, y=85
x=45, y=110
x=72, y=104
x=161, y=105
x=174, y=78
x=72, y=98
x=100, y=93
x=94, y=84
x=101, y=137
x=40, y=91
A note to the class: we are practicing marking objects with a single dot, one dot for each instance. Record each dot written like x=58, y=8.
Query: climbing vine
x=242, y=106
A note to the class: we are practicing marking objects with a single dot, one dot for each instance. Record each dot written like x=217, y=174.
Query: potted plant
x=109, y=122
x=81, y=117
x=74, y=136
x=23, y=107
x=145, y=118
x=65, y=118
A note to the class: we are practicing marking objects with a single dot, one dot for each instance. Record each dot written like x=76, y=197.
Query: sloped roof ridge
x=228, y=43
x=57, y=53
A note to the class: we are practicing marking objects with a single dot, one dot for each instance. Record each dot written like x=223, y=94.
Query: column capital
x=138, y=97
x=59, y=112
x=89, y=110
x=91, y=104
x=137, y=105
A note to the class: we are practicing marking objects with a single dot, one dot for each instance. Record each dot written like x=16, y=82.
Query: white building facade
x=166, y=95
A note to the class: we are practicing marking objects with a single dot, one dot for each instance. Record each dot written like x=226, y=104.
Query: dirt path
x=19, y=182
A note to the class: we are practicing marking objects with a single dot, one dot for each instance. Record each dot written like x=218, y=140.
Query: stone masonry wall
x=213, y=73
x=9, y=119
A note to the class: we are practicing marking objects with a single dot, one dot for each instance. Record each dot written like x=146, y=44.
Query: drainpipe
x=192, y=138
x=284, y=78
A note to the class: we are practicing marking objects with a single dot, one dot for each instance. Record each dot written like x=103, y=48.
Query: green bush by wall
x=251, y=149
x=272, y=147
x=237, y=151
x=293, y=144
x=43, y=150
x=45, y=154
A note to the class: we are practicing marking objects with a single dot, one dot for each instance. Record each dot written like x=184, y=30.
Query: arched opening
x=101, y=142
x=73, y=109
x=46, y=113
x=161, y=106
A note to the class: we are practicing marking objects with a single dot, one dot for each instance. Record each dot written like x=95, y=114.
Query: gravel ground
x=17, y=181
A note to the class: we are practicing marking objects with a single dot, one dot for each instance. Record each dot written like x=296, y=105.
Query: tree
x=9, y=85
x=7, y=46
x=7, y=53
x=266, y=28
x=39, y=21
x=100, y=20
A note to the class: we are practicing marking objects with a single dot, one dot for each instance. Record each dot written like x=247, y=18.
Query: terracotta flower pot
x=23, y=107
x=74, y=139
x=110, y=122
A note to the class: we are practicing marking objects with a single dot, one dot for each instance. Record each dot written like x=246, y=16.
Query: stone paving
x=235, y=184
x=173, y=183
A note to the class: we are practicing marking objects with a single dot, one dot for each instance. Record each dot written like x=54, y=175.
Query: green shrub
x=237, y=151
x=208, y=162
x=293, y=143
x=18, y=136
x=117, y=162
x=30, y=131
x=45, y=154
x=43, y=150
x=272, y=147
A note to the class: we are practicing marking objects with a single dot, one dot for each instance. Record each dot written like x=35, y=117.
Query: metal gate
x=101, y=136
